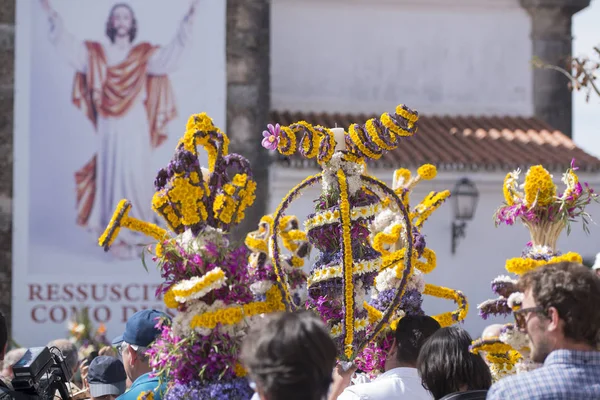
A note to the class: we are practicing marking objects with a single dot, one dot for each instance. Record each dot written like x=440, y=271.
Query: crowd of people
x=292, y=356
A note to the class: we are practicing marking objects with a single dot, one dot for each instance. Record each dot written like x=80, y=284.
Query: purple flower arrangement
x=235, y=389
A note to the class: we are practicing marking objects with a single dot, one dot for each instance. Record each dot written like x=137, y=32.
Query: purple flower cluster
x=372, y=358
x=419, y=243
x=328, y=309
x=497, y=307
x=509, y=215
x=179, y=265
x=183, y=161
x=237, y=389
x=411, y=302
x=504, y=289
x=204, y=359
x=527, y=253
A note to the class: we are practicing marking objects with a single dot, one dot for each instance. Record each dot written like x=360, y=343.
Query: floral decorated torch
x=362, y=255
x=546, y=214
x=205, y=278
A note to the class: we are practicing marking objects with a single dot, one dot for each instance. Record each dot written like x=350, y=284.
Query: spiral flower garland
x=370, y=140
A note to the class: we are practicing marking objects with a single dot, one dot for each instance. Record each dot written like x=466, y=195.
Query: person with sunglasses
x=560, y=314
x=140, y=332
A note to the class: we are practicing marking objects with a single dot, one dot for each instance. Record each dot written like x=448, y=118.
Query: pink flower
x=271, y=137
x=573, y=167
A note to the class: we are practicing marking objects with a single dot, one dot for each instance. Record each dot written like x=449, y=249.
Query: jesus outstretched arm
x=73, y=50
x=166, y=59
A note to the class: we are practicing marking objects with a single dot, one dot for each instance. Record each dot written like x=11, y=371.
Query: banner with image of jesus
x=103, y=92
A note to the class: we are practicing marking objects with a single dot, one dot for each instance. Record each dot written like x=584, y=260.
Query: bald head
x=492, y=331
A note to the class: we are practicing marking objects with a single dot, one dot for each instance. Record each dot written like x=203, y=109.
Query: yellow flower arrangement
x=360, y=324
x=240, y=371
x=539, y=187
x=427, y=171
x=235, y=314
x=509, y=188
x=169, y=299
x=330, y=217
x=199, y=132
x=492, y=346
x=148, y=395
x=382, y=239
x=212, y=280
x=256, y=244
x=310, y=141
x=200, y=206
x=520, y=266
x=430, y=261
x=359, y=141
x=373, y=132
x=159, y=250
x=389, y=122
x=347, y=263
x=510, y=358
x=448, y=318
x=112, y=230
x=287, y=143
x=358, y=268
x=431, y=203
x=121, y=218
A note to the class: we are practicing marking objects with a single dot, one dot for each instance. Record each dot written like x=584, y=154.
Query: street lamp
x=465, y=196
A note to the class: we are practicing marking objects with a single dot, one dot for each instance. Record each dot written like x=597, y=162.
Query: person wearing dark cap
x=106, y=378
x=140, y=331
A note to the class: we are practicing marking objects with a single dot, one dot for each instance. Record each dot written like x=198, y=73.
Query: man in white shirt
x=401, y=379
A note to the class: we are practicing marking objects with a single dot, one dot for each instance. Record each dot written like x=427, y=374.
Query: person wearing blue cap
x=140, y=332
x=106, y=378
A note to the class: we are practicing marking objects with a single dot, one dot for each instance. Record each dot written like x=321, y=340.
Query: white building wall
x=480, y=257
x=437, y=56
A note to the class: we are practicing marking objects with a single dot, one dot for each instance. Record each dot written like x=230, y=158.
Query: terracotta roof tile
x=463, y=142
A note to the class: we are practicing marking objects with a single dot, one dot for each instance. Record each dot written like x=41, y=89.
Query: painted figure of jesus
x=124, y=90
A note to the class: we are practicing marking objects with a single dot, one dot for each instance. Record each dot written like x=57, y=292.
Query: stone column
x=248, y=95
x=7, y=62
x=551, y=38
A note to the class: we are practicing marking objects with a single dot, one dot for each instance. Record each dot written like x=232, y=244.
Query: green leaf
x=144, y=259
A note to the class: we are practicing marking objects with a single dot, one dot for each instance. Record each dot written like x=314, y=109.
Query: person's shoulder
x=384, y=389
x=135, y=392
x=524, y=383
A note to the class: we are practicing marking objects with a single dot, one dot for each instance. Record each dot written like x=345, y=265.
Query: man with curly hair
x=561, y=315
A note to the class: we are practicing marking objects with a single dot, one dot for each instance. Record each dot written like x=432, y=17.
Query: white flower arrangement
x=353, y=171
x=504, y=279
x=261, y=287
x=515, y=299
x=197, y=244
x=189, y=284
x=513, y=337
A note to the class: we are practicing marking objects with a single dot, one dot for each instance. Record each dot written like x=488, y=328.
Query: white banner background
x=57, y=265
